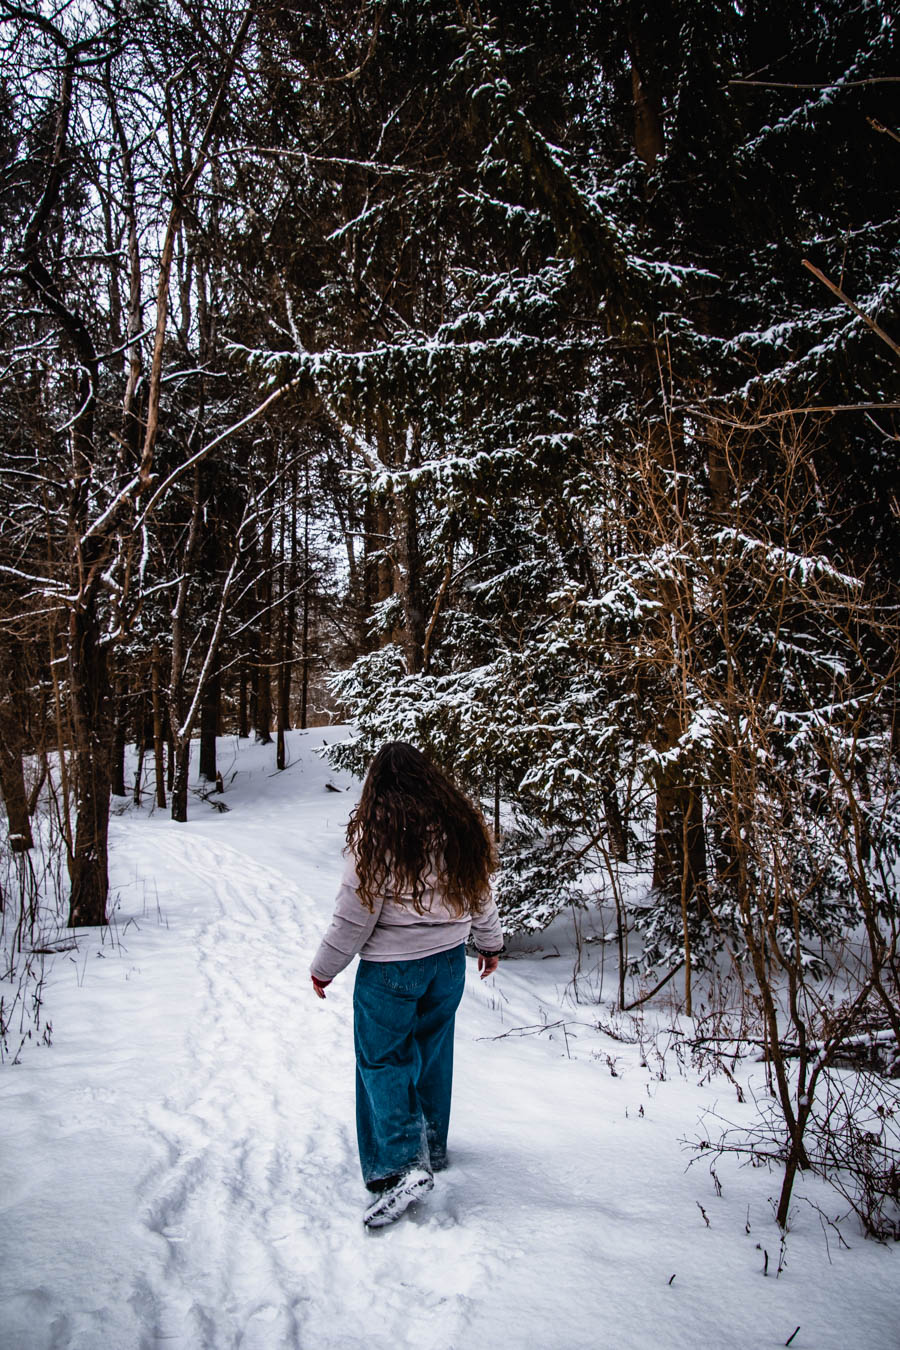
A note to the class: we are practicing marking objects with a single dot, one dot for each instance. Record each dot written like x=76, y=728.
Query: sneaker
x=396, y=1199
x=384, y=1183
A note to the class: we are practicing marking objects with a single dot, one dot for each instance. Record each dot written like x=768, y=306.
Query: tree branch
x=180, y=195
x=851, y=304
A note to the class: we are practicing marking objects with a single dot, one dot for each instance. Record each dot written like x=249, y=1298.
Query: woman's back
x=414, y=834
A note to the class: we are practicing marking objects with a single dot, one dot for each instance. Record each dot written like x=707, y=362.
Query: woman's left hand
x=320, y=986
x=487, y=965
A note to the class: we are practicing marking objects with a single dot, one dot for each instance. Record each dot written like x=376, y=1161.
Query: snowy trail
x=230, y=1141
x=179, y=1169
x=258, y=1138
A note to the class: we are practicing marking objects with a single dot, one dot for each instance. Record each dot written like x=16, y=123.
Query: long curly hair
x=411, y=822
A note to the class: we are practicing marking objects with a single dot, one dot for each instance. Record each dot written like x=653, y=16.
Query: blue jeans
x=403, y=1015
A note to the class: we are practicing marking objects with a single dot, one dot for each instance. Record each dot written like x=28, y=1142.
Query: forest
x=516, y=379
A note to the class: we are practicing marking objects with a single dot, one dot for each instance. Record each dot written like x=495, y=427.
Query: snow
x=178, y=1168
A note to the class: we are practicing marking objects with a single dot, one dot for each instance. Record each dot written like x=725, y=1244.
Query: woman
x=417, y=882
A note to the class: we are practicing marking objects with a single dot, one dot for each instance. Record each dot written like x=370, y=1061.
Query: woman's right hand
x=320, y=986
x=487, y=965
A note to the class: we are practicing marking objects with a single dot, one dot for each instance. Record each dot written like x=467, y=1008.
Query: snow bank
x=179, y=1166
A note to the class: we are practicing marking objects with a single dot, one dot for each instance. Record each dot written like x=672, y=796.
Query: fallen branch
x=644, y=997
x=535, y=1029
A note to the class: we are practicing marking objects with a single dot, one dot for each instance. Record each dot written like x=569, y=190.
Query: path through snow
x=179, y=1169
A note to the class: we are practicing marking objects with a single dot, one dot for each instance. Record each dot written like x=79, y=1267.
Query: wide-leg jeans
x=403, y=1018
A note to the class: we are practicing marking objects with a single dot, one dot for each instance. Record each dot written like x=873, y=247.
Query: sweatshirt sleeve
x=486, y=931
x=350, y=928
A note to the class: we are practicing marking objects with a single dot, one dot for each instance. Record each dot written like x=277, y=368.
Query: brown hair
x=411, y=820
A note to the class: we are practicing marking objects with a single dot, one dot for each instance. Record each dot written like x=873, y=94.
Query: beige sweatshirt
x=394, y=931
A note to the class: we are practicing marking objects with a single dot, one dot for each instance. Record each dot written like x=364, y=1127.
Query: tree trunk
x=409, y=581
x=370, y=572
x=183, y=715
x=719, y=481
x=648, y=133
x=377, y=570
x=90, y=701
x=797, y=1160
x=243, y=703
x=182, y=775
x=304, y=637
x=65, y=815
x=139, y=772
x=12, y=745
x=143, y=740
x=615, y=824
x=179, y=735
x=157, y=729
x=252, y=682
x=263, y=703
x=15, y=797
x=88, y=676
x=679, y=859
x=262, y=725
x=287, y=577
x=117, y=767
x=209, y=727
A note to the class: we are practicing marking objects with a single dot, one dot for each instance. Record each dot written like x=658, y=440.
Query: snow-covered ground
x=179, y=1169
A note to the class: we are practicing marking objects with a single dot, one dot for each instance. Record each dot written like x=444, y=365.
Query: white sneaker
x=393, y=1202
